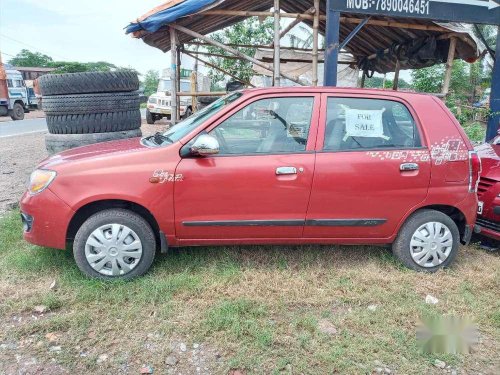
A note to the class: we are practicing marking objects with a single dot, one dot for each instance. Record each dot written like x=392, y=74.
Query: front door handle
x=285, y=170
x=405, y=167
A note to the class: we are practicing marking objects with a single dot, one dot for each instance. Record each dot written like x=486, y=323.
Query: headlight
x=40, y=180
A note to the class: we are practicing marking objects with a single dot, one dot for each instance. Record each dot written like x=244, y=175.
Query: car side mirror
x=205, y=145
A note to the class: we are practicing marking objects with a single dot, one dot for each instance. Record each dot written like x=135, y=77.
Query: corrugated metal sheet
x=370, y=40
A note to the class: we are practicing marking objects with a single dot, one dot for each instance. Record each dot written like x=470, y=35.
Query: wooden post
x=363, y=77
x=194, y=81
x=277, y=52
x=173, y=76
x=449, y=66
x=395, y=83
x=232, y=50
x=315, y=44
x=179, y=63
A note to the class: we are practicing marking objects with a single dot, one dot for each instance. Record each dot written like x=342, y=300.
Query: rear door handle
x=286, y=170
x=408, y=167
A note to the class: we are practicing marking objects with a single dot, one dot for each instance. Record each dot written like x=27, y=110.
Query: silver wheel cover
x=431, y=244
x=113, y=250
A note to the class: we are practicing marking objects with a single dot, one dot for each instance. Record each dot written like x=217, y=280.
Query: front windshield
x=166, y=85
x=185, y=127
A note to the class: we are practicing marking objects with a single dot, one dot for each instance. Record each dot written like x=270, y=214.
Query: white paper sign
x=364, y=123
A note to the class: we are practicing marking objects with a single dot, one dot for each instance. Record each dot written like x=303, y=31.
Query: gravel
x=20, y=155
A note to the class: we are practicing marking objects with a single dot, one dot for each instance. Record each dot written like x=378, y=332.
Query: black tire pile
x=92, y=107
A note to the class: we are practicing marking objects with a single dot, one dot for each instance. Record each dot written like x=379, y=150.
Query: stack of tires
x=92, y=107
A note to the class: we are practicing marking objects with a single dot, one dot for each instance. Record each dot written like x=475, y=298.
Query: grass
x=258, y=309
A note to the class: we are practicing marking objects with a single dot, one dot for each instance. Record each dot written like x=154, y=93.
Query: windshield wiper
x=160, y=138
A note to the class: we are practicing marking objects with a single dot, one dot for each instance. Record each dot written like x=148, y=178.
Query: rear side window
x=361, y=124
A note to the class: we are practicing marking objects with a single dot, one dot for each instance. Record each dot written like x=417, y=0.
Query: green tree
x=151, y=80
x=251, y=32
x=28, y=58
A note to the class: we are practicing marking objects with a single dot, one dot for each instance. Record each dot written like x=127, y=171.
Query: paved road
x=11, y=128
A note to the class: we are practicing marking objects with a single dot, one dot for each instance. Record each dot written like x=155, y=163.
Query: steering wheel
x=224, y=148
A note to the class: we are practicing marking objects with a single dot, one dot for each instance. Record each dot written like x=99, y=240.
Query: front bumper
x=488, y=228
x=46, y=219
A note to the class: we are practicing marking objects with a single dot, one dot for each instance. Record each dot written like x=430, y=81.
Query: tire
x=187, y=113
x=150, y=118
x=90, y=103
x=207, y=99
x=56, y=143
x=95, y=230
x=94, y=122
x=89, y=82
x=17, y=112
x=402, y=247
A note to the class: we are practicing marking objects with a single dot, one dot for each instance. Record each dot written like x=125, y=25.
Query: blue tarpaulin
x=164, y=17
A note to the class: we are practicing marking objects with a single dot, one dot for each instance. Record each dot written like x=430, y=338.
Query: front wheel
x=114, y=244
x=17, y=112
x=150, y=118
x=428, y=241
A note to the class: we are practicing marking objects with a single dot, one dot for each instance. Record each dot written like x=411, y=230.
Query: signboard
x=364, y=123
x=469, y=11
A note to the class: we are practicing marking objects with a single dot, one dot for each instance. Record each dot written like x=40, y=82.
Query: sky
x=82, y=30
x=78, y=30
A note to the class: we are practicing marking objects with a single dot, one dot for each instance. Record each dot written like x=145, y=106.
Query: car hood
x=490, y=160
x=95, y=151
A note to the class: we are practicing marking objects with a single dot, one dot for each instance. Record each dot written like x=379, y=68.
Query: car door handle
x=286, y=170
x=408, y=167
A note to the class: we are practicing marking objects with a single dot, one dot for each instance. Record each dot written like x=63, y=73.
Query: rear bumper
x=45, y=219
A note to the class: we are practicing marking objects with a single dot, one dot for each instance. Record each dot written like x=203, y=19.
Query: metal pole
x=494, y=119
x=277, y=52
x=332, y=45
x=315, y=44
x=173, y=76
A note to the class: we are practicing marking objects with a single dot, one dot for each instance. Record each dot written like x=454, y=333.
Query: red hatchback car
x=266, y=166
x=488, y=220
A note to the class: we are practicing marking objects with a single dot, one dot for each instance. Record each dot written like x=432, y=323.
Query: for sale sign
x=364, y=123
x=470, y=11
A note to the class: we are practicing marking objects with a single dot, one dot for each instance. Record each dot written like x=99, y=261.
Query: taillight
x=474, y=171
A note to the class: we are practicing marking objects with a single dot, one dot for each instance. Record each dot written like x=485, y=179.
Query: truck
x=14, y=99
x=159, y=104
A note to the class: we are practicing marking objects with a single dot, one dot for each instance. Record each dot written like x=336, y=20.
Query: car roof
x=334, y=90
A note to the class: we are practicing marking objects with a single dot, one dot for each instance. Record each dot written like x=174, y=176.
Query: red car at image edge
x=488, y=220
x=266, y=166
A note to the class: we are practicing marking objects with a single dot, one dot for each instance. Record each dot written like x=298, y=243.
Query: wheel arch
x=453, y=212
x=91, y=208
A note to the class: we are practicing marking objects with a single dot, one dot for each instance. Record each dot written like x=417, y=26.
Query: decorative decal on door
x=166, y=176
x=449, y=149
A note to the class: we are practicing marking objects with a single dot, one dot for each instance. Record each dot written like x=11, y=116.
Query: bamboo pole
x=277, y=53
x=305, y=16
x=173, y=75
x=395, y=83
x=232, y=50
x=258, y=46
x=449, y=65
x=217, y=67
x=315, y=44
x=363, y=78
x=202, y=93
x=194, y=81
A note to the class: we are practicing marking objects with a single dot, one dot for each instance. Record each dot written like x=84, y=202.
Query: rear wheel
x=114, y=244
x=17, y=112
x=428, y=241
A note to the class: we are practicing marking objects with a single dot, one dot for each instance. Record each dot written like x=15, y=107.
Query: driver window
x=267, y=126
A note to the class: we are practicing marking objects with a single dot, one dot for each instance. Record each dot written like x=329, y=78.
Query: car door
x=372, y=168
x=258, y=186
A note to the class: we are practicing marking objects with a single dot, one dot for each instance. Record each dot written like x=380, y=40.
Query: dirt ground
x=27, y=116
x=20, y=155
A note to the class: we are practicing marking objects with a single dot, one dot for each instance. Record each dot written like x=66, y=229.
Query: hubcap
x=113, y=250
x=431, y=244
